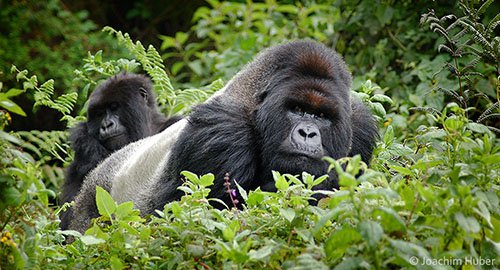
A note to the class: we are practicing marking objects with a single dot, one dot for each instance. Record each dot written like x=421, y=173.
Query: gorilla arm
x=88, y=153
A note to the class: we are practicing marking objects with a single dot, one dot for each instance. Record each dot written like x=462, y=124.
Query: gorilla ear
x=144, y=93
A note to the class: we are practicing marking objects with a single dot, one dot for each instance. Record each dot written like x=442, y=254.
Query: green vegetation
x=430, y=198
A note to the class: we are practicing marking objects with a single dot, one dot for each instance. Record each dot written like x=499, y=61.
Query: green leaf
x=12, y=196
x=241, y=191
x=280, y=181
x=390, y=220
x=176, y=67
x=195, y=250
x=255, y=198
x=381, y=98
x=176, y=209
x=288, y=214
x=21, y=75
x=167, y=42
x=347, y=180
x=478, y=128
x=389, y=135
x=307, y=178
x=319, y=180
x=13, y=92
x=105, y=203
x=12, y=107
x=401, y=170
x=378, y=109
x=91, y=240
x=230, y=230
x=493, y=159
x=124, y=209
x=207, y=180
x=349, y=263
x=371, y=232
x=181, y=37
x=468, y=224
x=190, y=177
x=340, y=240
x=261, y=254
x=116, y=263
x=287, y=9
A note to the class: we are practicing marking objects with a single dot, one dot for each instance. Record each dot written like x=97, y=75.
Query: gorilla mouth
x=301, y=151
x=112, y=136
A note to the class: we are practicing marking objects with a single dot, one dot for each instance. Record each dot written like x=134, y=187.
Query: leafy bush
x=475, y=56
x=232, y=33
x=46, y=38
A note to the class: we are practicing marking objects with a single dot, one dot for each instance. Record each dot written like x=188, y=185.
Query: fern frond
x=460, y=34
x=483, y=7
x=447, y=17
x=449, y=92
x=73, y=121
x=493, y=23
x=487, y=112
x=473, y=73
x=44, y=93
x=471, y=64
x=443, y=47
x=426, y=110
x=478, y=37
x=152, y=63
x=46, y=145
x=190, y=97
x=429, y=17
x=441, y=30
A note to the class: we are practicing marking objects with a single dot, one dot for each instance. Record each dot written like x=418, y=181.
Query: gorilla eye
x=95, y=112
x=114, y=106
x=322, y=115
x=298, y=110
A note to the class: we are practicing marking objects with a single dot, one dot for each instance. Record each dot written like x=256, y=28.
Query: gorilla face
x=110, y=111
x=106, y=121
x=301, y=122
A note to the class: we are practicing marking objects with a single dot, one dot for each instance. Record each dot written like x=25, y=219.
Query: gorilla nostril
x=302, y=133
x=107, y=125
x=312, y=135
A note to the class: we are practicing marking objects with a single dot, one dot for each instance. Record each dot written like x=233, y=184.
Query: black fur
x=242, y=131
x=132, y=101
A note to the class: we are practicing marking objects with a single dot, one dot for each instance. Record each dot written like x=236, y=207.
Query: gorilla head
x=124, y=99
x=304, y=113
x=284, y=111
x=120, y=111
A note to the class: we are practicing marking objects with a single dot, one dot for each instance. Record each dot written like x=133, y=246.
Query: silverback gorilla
x=283, y=111
x=120, y=111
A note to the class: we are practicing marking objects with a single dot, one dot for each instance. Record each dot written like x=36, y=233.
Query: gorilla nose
x=306, y=132
x=306, y=135
x=106, y=125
